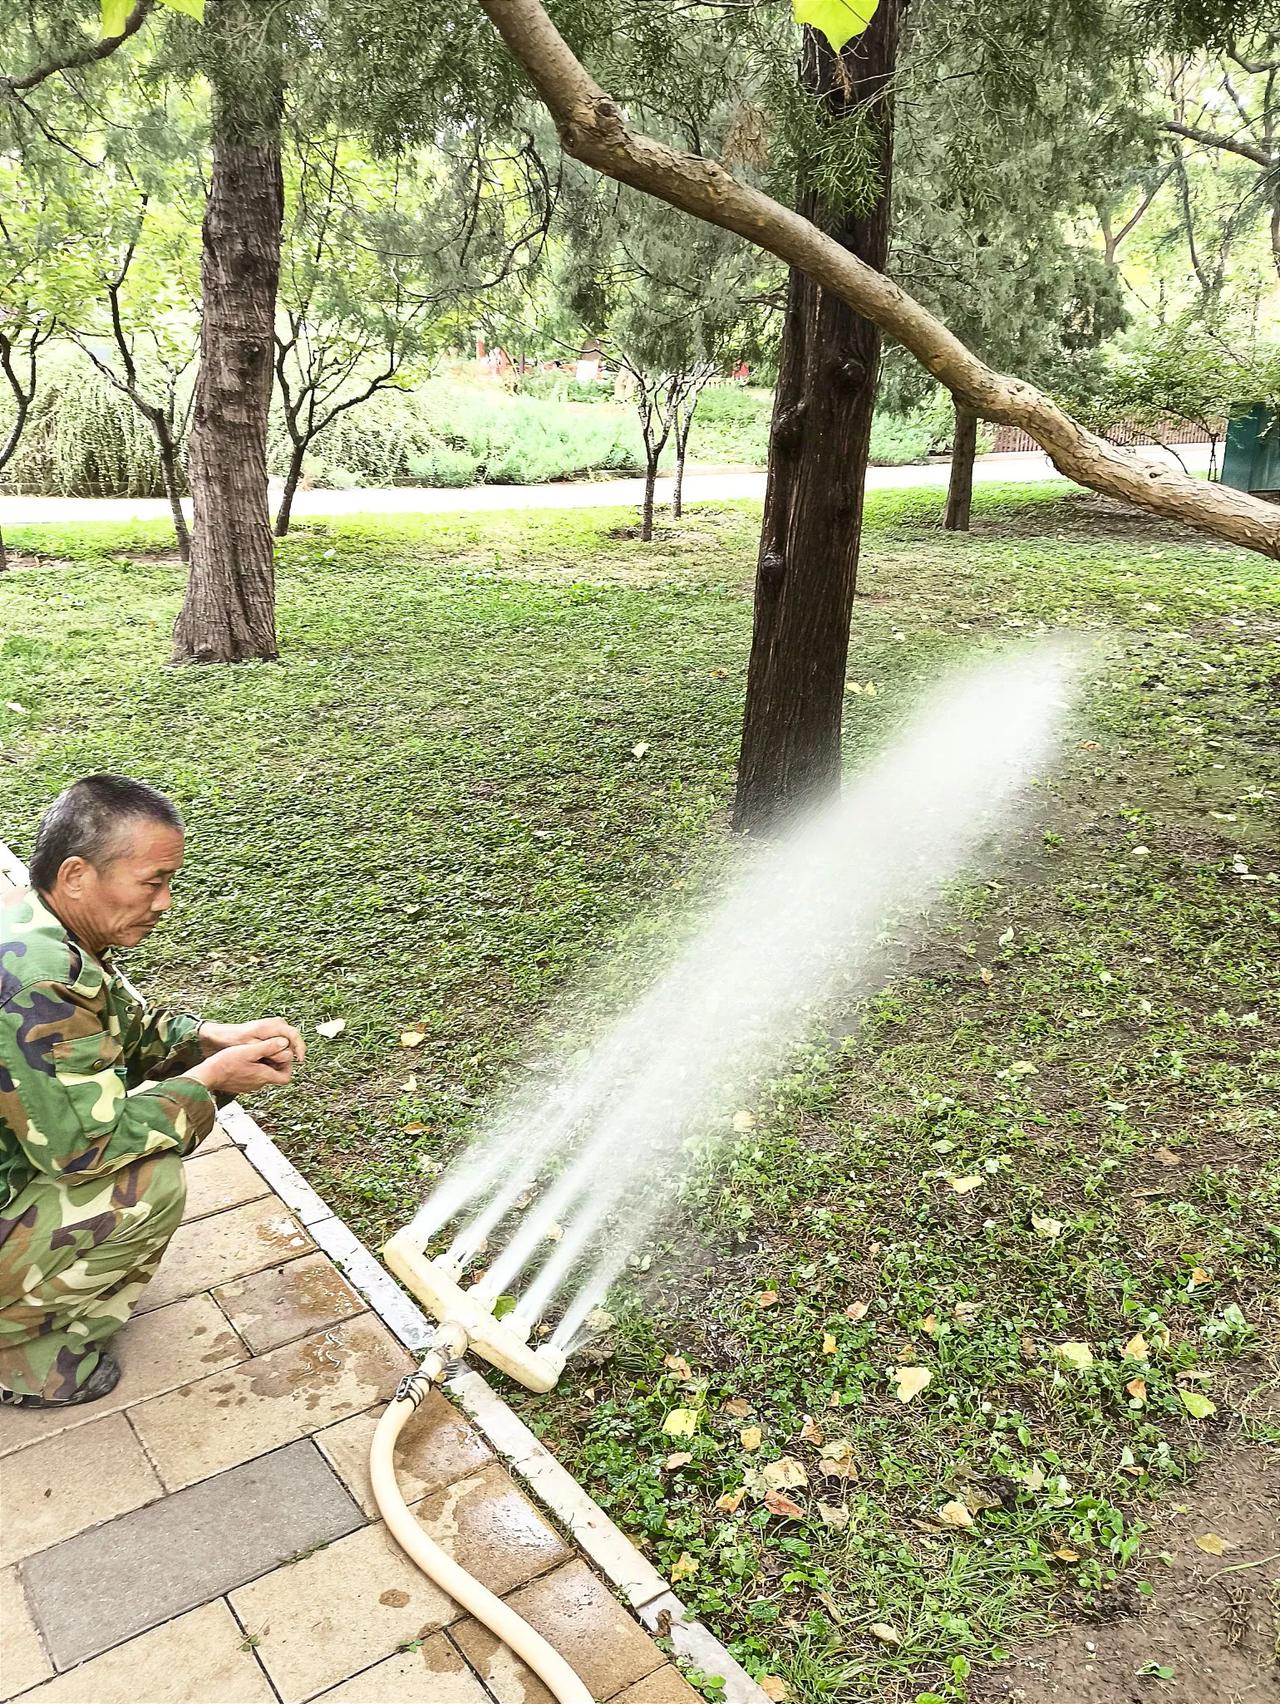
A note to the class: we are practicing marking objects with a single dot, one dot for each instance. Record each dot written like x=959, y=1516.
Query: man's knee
x=163, y=1186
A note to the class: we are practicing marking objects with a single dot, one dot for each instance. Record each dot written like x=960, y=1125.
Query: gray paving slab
x=101, y=1587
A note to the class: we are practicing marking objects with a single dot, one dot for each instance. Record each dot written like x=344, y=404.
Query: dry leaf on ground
x=331, y=1027
x=749, y=1437
x=910, y=1381
x=681, y=1423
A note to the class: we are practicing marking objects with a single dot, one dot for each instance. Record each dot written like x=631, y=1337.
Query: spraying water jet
x=825, y=911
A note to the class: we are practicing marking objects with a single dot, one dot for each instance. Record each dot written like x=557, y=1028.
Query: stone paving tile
x=70, y=1482
x=574, y=1612
x=200, y=1658
x=433, y=1674
x=437, y=1446
x=218, y=1180
x=22, y=1658
x=665, y=1686
x=333, y=1614
x=157, y=1352
x=488, y=1525
x=92, y=1591
x=231, y=1416
x=228, y=1245
x=286, y=1302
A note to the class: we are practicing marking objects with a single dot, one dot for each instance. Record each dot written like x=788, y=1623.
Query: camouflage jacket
x=87, y=1068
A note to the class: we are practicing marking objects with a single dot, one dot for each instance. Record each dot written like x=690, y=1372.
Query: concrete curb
x=608, y=1547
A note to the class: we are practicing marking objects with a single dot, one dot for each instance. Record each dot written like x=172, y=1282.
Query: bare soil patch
x=1213, y=1620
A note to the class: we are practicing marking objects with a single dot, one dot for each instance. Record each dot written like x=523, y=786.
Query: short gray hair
x=88, y=821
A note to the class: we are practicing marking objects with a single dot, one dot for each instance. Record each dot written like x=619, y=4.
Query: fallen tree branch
x=593, y=130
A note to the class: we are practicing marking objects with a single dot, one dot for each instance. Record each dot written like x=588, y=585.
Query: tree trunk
x=229, y=611
x=818, y=448
x=650, y=480
x=682, y=446
x=4, y=555
x=291, y=479
x=964, y=446
x=169, y=467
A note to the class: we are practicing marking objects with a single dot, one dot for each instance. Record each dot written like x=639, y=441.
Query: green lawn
x=429, y=817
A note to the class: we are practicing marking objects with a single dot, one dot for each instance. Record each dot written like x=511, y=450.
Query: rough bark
x=807, y=569
x=683, y=426
x=291, y=479
x=592, y=129
x=964, y=446
x=228, y=614
x=646, y=507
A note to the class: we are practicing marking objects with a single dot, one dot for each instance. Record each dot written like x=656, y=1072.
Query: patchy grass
x=429, y=816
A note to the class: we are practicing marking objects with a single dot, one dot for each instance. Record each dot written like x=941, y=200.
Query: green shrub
x=82, y=439
x=445, y=433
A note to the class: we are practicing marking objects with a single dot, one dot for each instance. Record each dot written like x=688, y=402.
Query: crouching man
x=101, y=1095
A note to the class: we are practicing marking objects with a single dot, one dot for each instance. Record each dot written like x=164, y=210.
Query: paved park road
x=705, y=486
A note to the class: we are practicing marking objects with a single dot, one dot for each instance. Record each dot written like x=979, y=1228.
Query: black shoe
x=101, y=1382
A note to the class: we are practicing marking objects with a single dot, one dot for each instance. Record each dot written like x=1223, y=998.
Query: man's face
x=119, y=903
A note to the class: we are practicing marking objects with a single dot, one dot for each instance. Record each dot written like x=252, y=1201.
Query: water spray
x=585, y=1169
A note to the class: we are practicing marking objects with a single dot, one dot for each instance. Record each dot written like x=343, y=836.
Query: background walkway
x=703, y=486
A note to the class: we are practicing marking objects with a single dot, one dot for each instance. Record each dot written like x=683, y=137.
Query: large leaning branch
x=593, y=129
x=89, y=54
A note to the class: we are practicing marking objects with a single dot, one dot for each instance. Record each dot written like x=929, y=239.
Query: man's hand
x=237, y=1069
x=215, y=1037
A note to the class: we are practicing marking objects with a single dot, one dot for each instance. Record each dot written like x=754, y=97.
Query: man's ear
x=71, y=876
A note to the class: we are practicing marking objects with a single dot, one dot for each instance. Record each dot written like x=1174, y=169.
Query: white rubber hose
x=501, y=1620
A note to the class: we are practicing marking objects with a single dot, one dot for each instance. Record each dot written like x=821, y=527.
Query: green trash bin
x=1251, y=459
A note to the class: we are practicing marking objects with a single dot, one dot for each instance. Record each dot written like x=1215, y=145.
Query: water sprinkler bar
x=501, y=1342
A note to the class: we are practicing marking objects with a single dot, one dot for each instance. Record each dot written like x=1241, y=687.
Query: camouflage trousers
x=74, y=1259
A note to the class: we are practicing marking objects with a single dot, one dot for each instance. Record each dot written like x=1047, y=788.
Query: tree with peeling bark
x=819, y=444
x=228, y=614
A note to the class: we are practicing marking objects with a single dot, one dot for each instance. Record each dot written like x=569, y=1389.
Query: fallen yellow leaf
x=1051, y=1228
x=1065, y=1555
x=777, y=1504
x=1075, y=1354
x=1137, y=1389
x=962, y=1185
x=729, y=1502
x=738, y=1406
x=774, y=1688
x=682, y=1458
x=678, y=1365
x=767, y=1299
x=750, y=1437
x=1199, y=1276
x=1136, y=1348
x=684, y=1568
x=829, y=1345
x=744, y=1121
x=910, y=1381
x=857, y=1310
x=929, y=1324
x=411, y=1038
x=1212, y=1545
x=681, y=1423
